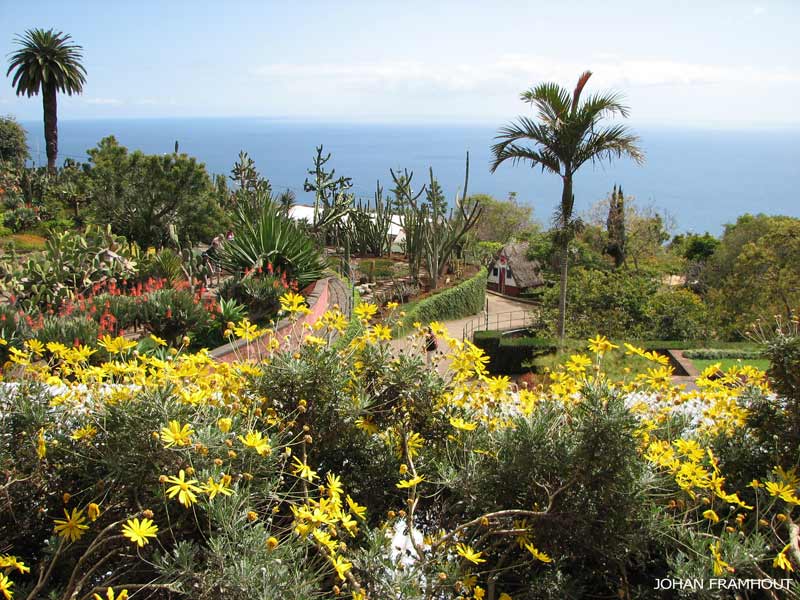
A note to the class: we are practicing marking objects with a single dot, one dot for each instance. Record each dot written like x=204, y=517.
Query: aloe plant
x=269, y=238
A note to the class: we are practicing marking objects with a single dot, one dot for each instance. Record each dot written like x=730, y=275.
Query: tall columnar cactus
x=411, y=218
x=432, y=232
x=332, y=203
x=369, y=225
x=444, y=233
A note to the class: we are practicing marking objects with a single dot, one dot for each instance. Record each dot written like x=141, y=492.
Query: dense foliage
x=141, y=196
x=13, y=142
x=462, y=300
x=626, y=304
x=267, y=240
x=298, y=475
x=512, y=354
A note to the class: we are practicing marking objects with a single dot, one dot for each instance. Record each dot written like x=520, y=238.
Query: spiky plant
x=269, y=238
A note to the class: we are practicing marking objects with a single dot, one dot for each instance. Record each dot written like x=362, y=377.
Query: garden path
x=455, y=328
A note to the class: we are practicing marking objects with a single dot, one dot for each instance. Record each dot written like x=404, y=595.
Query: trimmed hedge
x=508, y=355
x=462, y=300
x=716, y=354
x=661, y=345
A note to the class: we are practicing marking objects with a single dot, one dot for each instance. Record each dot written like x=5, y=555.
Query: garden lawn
x=616, y=364
x=727, y=363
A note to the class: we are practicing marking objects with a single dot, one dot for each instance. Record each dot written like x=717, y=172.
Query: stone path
x=339, y=294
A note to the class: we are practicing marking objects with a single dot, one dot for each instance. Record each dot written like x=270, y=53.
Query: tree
x=567, y=135
x=694, y=247
x=47, y=63
x=13, y=142
x=430, y=231
x=501, y=220
x=332, y=203
x=142, y=195
x=762, y=280
x=615, y=226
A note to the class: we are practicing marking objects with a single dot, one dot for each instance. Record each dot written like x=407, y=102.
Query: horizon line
x=691, y=125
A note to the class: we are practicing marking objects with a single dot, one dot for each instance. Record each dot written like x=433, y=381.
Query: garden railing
x=502, y=321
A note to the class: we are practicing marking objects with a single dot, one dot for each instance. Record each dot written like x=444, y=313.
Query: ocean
x=701, y=179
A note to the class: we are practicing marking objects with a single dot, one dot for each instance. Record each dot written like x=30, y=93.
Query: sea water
x=702, y=179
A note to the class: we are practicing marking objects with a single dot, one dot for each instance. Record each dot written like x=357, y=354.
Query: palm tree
x=566, y=135
x=46, y=62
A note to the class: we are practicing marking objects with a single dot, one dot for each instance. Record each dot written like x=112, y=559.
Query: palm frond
x=607, y=143
x=576, y=95
x=551, y=101
x=603, y=105
x=45, y=58
x=545, y=150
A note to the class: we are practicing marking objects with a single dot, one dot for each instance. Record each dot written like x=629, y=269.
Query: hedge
x=507, y=355
x=662, y=345
x=717, y=354
x=462, y=300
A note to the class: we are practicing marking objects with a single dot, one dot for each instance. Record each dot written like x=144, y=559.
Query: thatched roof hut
x=512, y=271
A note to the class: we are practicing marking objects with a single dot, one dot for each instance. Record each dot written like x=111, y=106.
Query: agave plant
x=267, y=238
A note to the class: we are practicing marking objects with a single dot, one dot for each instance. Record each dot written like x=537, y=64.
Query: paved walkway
x=455, y=328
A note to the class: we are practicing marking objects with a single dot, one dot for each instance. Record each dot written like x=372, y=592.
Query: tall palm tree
x=46, y=62
x=566, y=135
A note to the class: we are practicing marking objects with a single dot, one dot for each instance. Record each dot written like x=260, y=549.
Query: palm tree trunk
x=562, y=296
x=566, y=217
x=50, y=105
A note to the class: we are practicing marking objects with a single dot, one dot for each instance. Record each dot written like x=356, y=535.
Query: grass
x=377, y=268
x=727, y=363
x=617, y=365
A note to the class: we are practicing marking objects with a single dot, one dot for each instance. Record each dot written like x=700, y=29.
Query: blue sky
x=712, y=64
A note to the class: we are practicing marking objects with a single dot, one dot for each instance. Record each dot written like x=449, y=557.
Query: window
x=494, y=271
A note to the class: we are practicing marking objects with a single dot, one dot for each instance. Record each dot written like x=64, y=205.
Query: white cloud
x=759, y=10
x=516, y=72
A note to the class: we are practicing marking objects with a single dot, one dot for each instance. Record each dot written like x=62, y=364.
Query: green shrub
x=260, y=293
x=69, y=331
x=20, y=219
x=230, y=311
x=511, y=354
x=125, y=310
x=677, y=314
x=625, y=304
x=171, y=314
x=465, y=299
x=715, y=354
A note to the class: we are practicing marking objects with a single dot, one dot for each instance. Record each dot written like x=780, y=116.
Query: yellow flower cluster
x=320, y=520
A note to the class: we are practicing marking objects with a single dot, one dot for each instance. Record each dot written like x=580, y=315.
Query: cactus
x=368, y=227
x=411, y=217
x=432, y=232
x=331, y=200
